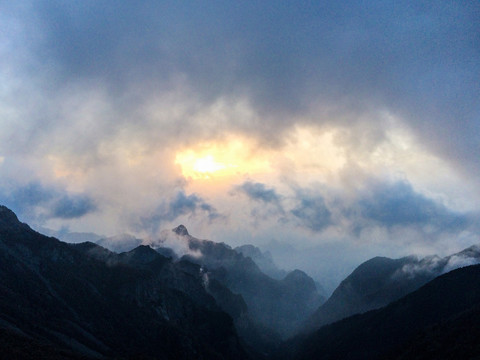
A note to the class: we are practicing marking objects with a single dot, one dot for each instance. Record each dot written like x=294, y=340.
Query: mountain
x=279, y=306
x=119, y=243
x=371, y=285
x=70, y=301
x=439, y=320
x=263, y=260
x=69, y=237
x=380, y=280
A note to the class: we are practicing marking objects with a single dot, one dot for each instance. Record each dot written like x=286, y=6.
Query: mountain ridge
x=392, y=331
x=98, y=303
x=280, y=305
x=381, y=280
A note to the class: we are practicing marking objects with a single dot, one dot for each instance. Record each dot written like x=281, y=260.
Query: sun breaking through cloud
x=221, y=159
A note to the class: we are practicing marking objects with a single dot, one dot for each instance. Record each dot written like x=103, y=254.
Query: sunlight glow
x=207, y=164
x=221, y=159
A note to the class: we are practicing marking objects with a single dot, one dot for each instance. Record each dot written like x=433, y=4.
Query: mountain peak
x=299, y=278
x=181, y=230
x=296, y=275
x=7, y=215
x=8, y=219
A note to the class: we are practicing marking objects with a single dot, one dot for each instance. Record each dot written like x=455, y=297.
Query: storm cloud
x=323, y=63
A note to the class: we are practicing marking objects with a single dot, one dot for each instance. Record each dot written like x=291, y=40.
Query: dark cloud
x=32, y=194
x=180, y=205
x=335, y=62
x=184, y=204
x=259, y=192
x=69, y=207
x=268, y=200
x=39, y=202
x=399, y=205
x=381, y=204
x=311, y=211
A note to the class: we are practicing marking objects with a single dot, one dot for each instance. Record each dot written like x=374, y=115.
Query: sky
x=325, y=132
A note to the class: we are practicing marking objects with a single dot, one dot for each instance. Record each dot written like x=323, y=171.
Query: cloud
x=326, y=64
x=32, y=194
x=378, y=203
x=457, y=261
x=435, y=265
x=311, y=211
x=188, y=204
x=268, y=203
x=178, y=243
x=259, y=192
x=399, y=205
x=39, y=202
x=180, y=205
x=68, y=207
x=414, y=267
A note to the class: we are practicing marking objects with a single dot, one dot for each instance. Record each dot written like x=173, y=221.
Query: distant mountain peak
x=264, y=260
x=142, y=254
x=181, y=230
x=296, y=275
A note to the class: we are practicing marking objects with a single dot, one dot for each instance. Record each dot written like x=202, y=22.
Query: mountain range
x=85, y=301
x=281, y=306
x=379, y=281
x=438, y=321
x=205, y=300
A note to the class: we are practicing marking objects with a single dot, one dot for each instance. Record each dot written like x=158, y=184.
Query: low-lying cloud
x=177, y=242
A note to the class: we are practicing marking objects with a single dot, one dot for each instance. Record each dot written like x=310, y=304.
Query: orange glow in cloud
x=201, y=166
x=220, y=160
x=207, y=165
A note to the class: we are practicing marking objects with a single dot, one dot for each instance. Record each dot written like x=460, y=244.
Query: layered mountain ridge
x=379, y=281
x=278, y=305
x=437, y=321
x=84, y=300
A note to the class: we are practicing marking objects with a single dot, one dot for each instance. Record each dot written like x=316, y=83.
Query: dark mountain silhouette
x=370, y=286
x=279, y=305
x=17, y=345
x=82, y=301
x=380, y=280
x=437, y=321
x=60, y=300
